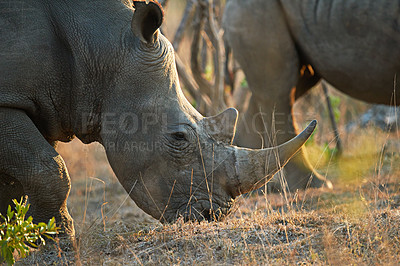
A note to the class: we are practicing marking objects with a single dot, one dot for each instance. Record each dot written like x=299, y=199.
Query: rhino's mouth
x=203, y=210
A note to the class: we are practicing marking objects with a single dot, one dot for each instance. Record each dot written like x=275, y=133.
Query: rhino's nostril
x=208, y=215
x=203, y=213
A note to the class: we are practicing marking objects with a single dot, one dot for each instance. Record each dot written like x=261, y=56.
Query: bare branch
x=186, y=19
x=214, y=35
x=209, y=95
x=192, y=87
x=333, y=121
x=198, y=24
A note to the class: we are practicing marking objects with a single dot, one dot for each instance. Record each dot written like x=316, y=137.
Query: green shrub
x=16, y=232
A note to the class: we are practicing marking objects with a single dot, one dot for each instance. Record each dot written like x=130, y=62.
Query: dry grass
x=344, y=226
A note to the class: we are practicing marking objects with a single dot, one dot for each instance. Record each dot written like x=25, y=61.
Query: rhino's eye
x=179, y=136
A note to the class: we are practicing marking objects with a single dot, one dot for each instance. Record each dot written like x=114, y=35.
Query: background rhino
x=285, y=47
x=94, y=70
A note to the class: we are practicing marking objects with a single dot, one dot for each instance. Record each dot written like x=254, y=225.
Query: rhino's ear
x=147, y=18
x=222, y=127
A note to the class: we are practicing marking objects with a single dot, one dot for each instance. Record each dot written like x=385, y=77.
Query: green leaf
x=10, y=213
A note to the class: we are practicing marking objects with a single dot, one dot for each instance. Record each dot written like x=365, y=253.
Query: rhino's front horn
x=254, y=168
x=222, y=127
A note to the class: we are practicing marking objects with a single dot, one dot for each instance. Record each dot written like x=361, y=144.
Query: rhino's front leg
x=35, y=168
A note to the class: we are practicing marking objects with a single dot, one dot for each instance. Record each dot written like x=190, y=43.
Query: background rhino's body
x=354, y=45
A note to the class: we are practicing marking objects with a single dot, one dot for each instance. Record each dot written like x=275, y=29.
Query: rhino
x=102, y=72
x=285, y=47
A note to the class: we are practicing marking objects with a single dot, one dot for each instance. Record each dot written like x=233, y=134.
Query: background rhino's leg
x=26, y=157
x=263, y=46
x=257, y=126
x=269, y=121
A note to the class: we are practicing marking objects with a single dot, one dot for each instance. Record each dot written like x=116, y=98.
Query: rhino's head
x=170, y=159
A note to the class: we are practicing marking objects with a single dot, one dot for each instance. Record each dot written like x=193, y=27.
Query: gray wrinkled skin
x=98, y=71
x=354, y=45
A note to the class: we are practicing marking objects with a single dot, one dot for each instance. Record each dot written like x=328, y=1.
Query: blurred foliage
x=335, y=102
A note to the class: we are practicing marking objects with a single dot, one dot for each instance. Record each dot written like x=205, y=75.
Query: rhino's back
x=33, y=64
x=354, y=44
x=26, y=48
